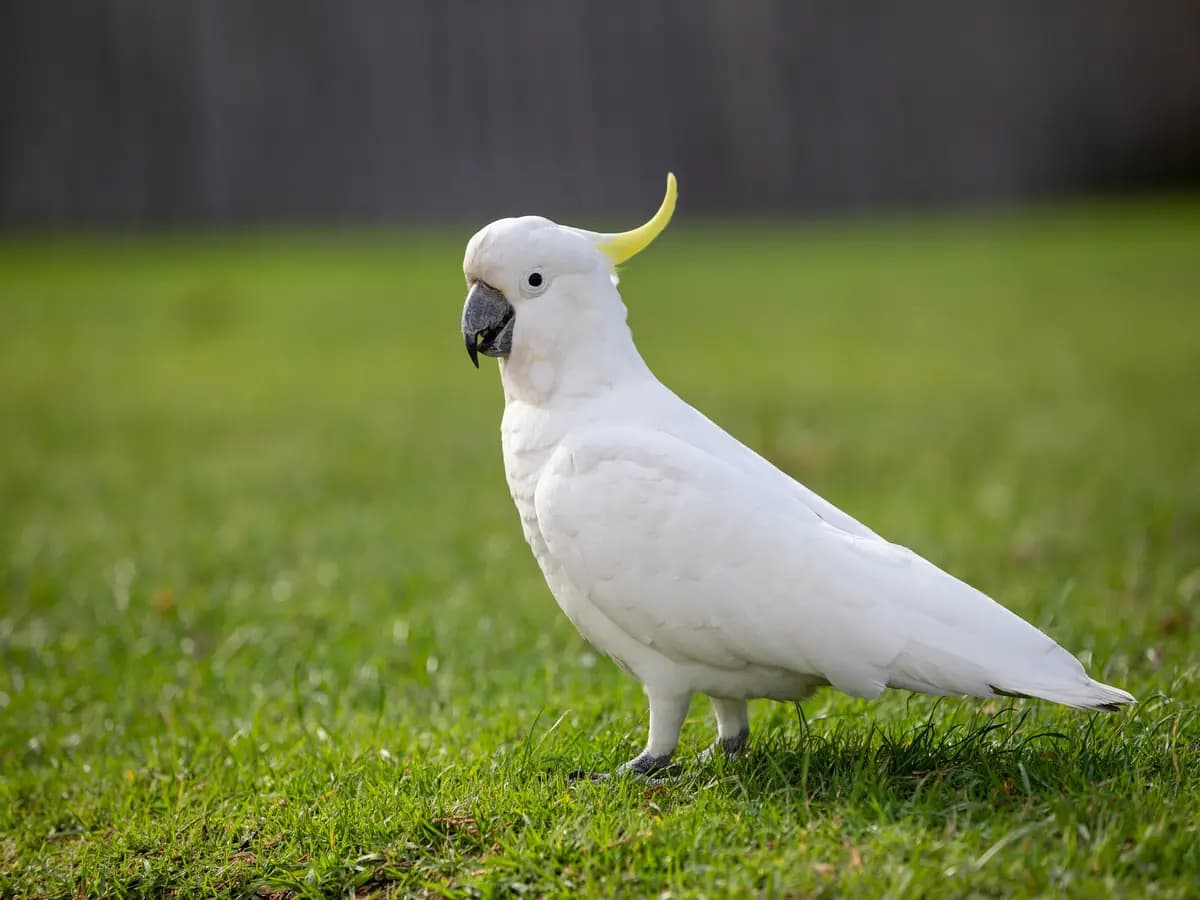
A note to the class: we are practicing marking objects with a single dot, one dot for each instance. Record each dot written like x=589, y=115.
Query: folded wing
x=710, y=565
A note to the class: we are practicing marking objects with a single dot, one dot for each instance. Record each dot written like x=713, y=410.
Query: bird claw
x=645, y=764
x=733, y=747
x=643, y=767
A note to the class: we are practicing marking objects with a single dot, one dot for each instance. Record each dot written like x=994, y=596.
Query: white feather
x=711, y=568
x=696, y=564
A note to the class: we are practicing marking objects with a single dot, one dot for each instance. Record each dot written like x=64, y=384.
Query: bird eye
x=535, y=282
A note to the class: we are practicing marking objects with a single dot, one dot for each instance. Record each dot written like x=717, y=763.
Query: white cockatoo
x=693, y=562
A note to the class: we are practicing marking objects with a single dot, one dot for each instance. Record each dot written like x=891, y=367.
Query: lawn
x=268, y=624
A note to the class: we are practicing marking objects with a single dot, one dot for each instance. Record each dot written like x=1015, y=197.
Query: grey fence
x=142, y=111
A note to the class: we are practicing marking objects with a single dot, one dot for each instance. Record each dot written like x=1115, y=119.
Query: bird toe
x=732, y=747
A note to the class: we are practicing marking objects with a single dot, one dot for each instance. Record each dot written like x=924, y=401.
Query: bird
x=693, y=562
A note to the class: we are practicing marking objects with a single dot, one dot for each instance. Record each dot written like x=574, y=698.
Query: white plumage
x=693, y=562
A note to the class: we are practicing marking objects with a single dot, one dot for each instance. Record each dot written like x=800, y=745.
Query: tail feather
x=1049, y=674
x=1091, y=695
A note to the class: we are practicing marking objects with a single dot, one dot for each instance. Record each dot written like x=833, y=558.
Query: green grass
x=268, y=623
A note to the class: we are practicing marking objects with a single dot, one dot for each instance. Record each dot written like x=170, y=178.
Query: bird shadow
x=954, y=758
x=1002, y=758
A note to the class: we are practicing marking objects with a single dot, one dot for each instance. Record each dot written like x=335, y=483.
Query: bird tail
x=1092, y=695
x=1056, y=676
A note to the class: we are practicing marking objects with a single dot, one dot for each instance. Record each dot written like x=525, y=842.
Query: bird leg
x=733, y=728
x=667, y=712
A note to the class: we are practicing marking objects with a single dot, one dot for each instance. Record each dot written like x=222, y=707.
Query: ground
x=268, y=623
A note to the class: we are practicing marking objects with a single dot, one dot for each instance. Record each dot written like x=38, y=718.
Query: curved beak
x=487, y=322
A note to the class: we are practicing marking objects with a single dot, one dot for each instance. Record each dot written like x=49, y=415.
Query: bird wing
x=701, y=432
x=691, y=555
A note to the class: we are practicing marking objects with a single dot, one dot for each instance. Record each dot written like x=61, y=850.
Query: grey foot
x=732, y=746
x=642, y=766
x=645, y=764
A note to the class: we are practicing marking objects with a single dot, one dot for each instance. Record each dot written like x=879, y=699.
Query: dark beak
x=487, y=322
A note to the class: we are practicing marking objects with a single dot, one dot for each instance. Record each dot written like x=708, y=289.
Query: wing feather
x=708, y=564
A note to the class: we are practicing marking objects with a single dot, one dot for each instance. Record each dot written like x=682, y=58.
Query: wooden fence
x=147, y=111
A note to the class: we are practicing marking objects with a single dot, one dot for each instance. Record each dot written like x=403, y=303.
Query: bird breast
x=528, y=438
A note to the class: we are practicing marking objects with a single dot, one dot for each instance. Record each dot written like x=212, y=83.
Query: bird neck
x=550, y=363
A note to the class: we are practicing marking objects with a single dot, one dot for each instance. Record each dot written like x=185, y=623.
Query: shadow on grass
x=996, y=759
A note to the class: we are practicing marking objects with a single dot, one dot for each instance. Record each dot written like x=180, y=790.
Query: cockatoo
x=690, y=560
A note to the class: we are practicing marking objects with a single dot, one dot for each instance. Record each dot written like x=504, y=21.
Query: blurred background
x=142, y=112
x=938, y=260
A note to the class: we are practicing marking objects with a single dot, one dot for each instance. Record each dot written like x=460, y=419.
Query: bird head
x=529, y=278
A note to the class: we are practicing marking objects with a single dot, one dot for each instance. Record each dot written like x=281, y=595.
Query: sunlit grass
x=268, y=621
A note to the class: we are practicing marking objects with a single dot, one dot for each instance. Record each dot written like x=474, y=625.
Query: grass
x=268, y=623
